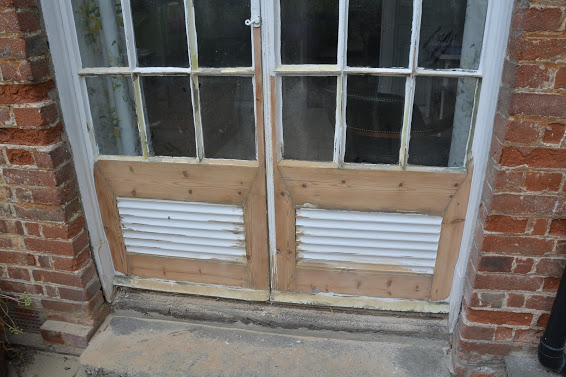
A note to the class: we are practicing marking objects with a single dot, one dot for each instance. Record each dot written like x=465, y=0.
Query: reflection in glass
x=169, y=115
x=452, y=33
x=309, y=31
x=113, y=115
x=100, y=32
x=160, y=33
x=379, y=33
x=374, y=118
x=228, y=123
x=224, y=40
x=446, y=106
x=309, y=117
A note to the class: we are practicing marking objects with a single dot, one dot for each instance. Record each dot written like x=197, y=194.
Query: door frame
x=64, y=59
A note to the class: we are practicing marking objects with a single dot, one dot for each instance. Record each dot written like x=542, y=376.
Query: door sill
x=192, y=288
x=360, y=302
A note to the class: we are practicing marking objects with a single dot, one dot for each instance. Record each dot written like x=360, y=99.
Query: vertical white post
x=340, y=127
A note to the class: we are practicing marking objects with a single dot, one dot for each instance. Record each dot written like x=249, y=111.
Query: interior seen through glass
x=309, y=117
x=169, y=115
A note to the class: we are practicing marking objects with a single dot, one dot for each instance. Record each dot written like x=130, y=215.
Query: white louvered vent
x=404, y=240
x=183, y=229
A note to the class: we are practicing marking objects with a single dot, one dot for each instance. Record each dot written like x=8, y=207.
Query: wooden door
x=371, y=171
x=173, y=94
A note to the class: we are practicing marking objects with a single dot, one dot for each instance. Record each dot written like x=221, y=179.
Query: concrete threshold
x=136, y=347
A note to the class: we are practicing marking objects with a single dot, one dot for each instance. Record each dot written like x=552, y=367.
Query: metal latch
x=255, y=22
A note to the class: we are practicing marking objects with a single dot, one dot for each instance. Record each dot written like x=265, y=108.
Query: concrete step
x=526, y=365
x=135, y=347
x=157, y=305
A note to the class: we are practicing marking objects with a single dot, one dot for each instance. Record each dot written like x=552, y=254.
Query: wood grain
x=255, y=208
x=179, y=181
x=190, y=270
x=450, y=241
x=111, y=221
x=363, y=283
x=372, y=190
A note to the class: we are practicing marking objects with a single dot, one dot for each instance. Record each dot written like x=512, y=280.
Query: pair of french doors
x=288, y=150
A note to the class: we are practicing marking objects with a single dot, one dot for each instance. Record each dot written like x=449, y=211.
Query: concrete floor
x=135, y=347
x=44, y=364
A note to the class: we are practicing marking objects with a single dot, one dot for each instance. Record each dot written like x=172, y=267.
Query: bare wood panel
x=179, y=181
x=363, y=283
x=195, y=271
x=284, y=272
x=355, y=267
x=355, y=189
x=255, y=208
x=111, y=221
x=450, y=240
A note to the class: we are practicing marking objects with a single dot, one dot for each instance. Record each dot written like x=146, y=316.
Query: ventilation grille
x=403, y=240
x=27, y=320
x=183, y=229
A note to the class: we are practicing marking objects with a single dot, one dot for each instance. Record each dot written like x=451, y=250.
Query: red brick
x=24, y=70
x=12, y=22
x=543, y=19
x=534, y=157
x=14, y=257
x=17, y=287
x=486, y=348
x=61, y=278
x=540, y=49
x=487, y=300
x=554, y=133
x=22, y=94
x=80, y=294
x=561, y=247
x=20, y=157
x=527, y=336
x=543, y=320
x=539, y=302
x=505, y=224
x=477, y=332
x=550, y=284
x=534, y=205
x=532, y=76
x=523, y=265
x=71, y=307
x=543, y=181
x=515, y=300
x=495, y=264
x=511, y=282
x=41, y=214
x=72, y=263
x=503, y=334
x=540, y=227
x=29, y=177
x=35, y=116
x=516, y=245
x=550, y=267
x=22, y=47
x=58, y=247
x=499, y=317
x=32, y=229
x=509, y=181
x=558, y=227
x=53, y=159
x=35, y=137
x=522, y=132
x=560, y=80
x=65, y=231
x=52, y=336
x=56, y=196
x=18, y=273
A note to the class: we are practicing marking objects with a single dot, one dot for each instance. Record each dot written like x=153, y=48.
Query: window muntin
x=453, y=97
x=152, y=46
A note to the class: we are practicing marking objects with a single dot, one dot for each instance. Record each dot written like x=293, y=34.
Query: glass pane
x=309, y=117
x=228, y=122
x=100, y=31
x=374, y=118
x=224, y=40
x=379, y=33
x=309, y=31
x=169, y=115
x=113, y=115
x=161, y=37
x=452, y=33
x=442, y=119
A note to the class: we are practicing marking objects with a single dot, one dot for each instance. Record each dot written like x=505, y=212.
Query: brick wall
x=519, y=250
x=44, y=246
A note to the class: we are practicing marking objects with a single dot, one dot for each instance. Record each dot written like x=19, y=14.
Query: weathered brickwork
x=519, y=250
x=44, y=246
